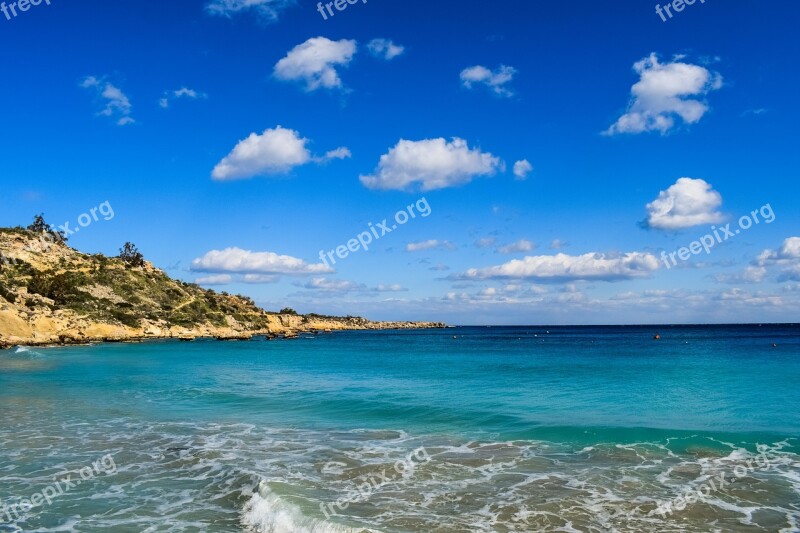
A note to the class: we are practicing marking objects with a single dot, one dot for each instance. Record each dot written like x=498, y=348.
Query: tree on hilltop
x=131, y=255
x=40, y=226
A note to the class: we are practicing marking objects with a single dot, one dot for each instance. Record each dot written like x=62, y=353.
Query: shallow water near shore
x=497, y=429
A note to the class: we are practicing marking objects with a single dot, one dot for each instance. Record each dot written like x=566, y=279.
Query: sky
x=506, y=162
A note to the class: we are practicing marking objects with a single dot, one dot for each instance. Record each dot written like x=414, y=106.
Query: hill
x=51, y=293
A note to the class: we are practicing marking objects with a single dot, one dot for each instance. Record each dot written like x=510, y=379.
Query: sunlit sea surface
x=591, y=429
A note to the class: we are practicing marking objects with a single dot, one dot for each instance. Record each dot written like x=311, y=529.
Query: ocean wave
x=226, y=477
x=266, y=512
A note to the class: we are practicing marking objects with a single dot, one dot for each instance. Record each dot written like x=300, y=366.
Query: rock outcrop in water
x=53, y=294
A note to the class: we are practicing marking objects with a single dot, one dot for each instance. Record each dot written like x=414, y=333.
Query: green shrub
x=61, y=288
x=9, y=296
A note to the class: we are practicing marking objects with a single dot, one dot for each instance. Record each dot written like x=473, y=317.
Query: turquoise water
x=497, y=429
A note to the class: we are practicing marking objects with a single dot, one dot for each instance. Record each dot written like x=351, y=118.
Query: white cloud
x=333, y=285
x=431, y=244
x=790, y=248
x=787, y=257
x=522, y=169
x=558, y=244
x=183, y=92
x=562, y=267
x=754, y=274
x=787, y=253
x=323, y=286
x=384, y=48
x=338, y=153
x=431, y=164
x=315, y=62
x=689, y=202
x=751, y=274
x=260, y=278
x=276, y=151
x=236, y=260
x=485, y=242
x=496, y=80
x=394, y=287
x=219, y=279
x=117, y=104
x=758, y=299
x=512, y=293
x=522, y=245
x=757, y=111
x=268, y=10
x=790, y=274
x=666, y=92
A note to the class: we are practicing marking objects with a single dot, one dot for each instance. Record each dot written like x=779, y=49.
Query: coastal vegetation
x=50, y=291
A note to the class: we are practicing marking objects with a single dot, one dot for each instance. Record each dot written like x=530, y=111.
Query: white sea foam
x=266, y=512
x=196, y=476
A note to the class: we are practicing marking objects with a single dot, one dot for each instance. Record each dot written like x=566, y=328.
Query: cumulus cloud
x=562, y=267
x=689, y=202
x=237, y=260
x=787, y=258
x=267, y=10
x=666, y=92
x=494, y=80
x=789, y=252
x=431, y=244
x=117, y=105
x=384, y=48
x=790, y=248
x=183, y=92
x=522, y=245
x=315, y=62
x=431, y=164
x=558, y=244
x=522, y=169
x=276, y=151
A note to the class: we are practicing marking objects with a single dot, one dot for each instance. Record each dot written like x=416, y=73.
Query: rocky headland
x=52, y=294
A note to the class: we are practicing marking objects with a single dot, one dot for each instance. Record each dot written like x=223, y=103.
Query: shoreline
x=286, y=333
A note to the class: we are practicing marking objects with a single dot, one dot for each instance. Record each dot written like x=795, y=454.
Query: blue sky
x=237, y=139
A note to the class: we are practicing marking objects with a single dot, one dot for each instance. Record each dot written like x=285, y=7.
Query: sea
x=466, y=429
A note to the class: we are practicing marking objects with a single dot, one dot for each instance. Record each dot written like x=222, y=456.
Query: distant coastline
x=54, y=295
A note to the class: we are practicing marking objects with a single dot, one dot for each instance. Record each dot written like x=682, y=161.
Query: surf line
x=365, y=490
x=706, y=489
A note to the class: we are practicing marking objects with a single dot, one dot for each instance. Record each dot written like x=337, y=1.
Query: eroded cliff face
x=53, y=294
